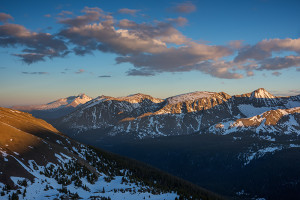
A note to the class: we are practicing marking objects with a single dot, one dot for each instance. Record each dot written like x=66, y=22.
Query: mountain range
x=143, y=116
x=241, y=146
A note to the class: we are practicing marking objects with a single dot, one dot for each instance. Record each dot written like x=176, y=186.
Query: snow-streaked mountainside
x=198, y=112
x=56, y=108
x=39, y=162
x=278, y=122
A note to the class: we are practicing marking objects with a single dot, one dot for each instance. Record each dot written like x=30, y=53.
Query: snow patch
x=250, y=111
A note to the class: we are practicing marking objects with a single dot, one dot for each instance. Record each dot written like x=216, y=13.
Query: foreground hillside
x=38, y=162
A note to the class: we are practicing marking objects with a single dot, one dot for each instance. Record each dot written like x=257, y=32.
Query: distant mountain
x=39, y=162
x=143, y=116
x=258, y=94
x=55, y=109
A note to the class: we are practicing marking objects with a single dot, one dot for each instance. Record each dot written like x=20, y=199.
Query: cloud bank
x=151, y=47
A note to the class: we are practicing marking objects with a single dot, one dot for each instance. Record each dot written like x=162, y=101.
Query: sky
x=58, y=48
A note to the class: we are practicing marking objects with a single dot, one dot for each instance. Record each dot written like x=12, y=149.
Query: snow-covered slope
x=38, y=162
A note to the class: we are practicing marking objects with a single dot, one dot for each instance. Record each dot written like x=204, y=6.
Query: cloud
x=260, y=56
x=106, y=38
x=236, y=44
x=37, y=46
x=180, y=21
x=36, y=73
x=251, y=52
x=91, y=15
x=64, y=13
x=47, y=15
x=264, y=49
x=298, y=69
x=5, y=17
x=30, y=58
x=220, y=69
x=152, y=47
x=159, y=32
x=276, y=73
x=277, y=63
x=80, y=71
x=145, y=45
x=186, y=7
x=105, y=76
x=135, y=72
x=128, y=11
x=159, y=64
x=171, y=59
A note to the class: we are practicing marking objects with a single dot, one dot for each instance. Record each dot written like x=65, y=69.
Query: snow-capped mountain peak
x=80, y=99
x=71, y=101
x=56, y=108
x=261, y=93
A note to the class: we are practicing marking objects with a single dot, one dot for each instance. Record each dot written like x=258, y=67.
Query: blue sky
x=53, y=49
